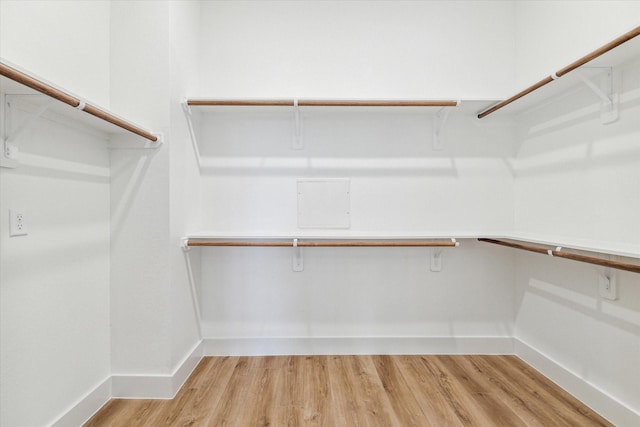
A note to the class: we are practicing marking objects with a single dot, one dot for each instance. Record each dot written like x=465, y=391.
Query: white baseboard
x=587, y=393
x=156, y=386
x=131, y=386
x=356, y=345
x=86, y=407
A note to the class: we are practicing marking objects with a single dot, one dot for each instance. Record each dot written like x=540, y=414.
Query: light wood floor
x=358, y=391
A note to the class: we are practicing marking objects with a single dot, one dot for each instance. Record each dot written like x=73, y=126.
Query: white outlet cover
x=17, y=223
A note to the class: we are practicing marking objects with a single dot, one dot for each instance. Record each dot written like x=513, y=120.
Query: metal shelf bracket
x=439, y=122
x=188, y=114
x=609, y=99
x=297, y=143
x=298, y=257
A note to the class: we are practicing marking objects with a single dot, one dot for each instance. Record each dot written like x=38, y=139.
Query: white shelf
x=606, y=249
x=87, y=114
x=625, y=55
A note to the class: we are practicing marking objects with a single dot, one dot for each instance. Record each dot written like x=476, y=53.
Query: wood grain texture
x=375, y=103
x=358, y=391
x=319, y=103
x=576, y=64
x=64, y=97
x=600, y=51
x=619, y=265
x=322, y=243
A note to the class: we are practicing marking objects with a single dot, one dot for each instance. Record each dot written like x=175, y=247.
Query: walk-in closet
x=336, y=213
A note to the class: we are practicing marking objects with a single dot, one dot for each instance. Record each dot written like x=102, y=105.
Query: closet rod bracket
x=297, y=143
x=188, y=114
x=157, y=143
x=11, y=131
x=604, y=91
x=298, y=257
x=439, y=122
x=184, y=244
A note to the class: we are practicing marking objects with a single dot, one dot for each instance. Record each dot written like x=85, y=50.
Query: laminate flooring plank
x=264, y=393
x=317, y=392
x=357, y=397
x=234, y=399
x=344, y=394
x=574, y=410
x=466, y=408
x=127, y=412
x=425, y=388
x=530, y=392
x=565, y=409
x=484, y=394
x=290, y=403
x=374, y=401
x=200, y=395
x=405, y=406
x=506, y=392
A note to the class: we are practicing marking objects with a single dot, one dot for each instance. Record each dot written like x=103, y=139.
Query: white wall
x=576, y=184
x=399, y=184
x=341, y=49
x=576, y=177
x=562, y=316
x=54, y=293
x=184, y=190
x=252, y=293
x=551, y=34
x=65, y=42
x=154, y=194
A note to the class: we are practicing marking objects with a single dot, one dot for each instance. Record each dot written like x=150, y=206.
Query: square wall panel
x=324, y=203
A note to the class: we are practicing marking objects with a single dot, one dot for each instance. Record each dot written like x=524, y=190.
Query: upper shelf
x=382, y=105
x=319, y=103
x=621, y=50
x=17, y=82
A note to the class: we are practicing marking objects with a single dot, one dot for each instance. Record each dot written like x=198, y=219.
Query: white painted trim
x=186, y=367
x=156, y=386
x=86, y=407
x=131, y=386
x=260, y=346
x=142, y=386
x=602, y=403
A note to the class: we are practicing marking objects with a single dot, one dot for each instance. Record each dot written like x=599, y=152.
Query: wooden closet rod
x=39, y=86
x=318, y=103
x=580, y=62
x=582, y=258
x=374, y=103
x=323, y=243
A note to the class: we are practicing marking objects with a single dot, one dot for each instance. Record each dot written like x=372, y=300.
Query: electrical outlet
x=607, y=287
x=17, y=223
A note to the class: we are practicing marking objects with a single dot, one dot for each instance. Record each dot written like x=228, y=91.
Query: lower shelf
x=323, y=242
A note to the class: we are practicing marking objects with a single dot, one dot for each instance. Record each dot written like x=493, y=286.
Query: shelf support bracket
x=297, y=143
x=184, y=245
x=436, y=257
x=298, y=257
x=609, y=99
x=10, y=133
x=436, y=260
x=439, y=121
x=192, y=133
